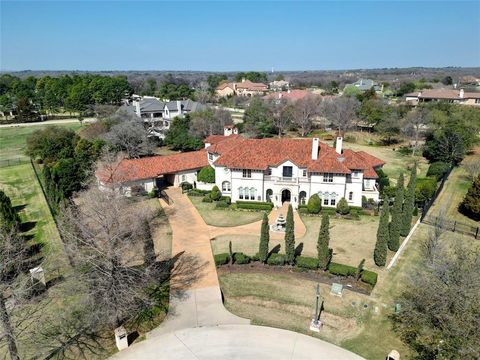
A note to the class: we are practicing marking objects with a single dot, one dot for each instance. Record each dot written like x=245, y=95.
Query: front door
x=286, y=196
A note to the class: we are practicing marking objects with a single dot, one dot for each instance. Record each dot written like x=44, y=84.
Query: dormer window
x=210, y=156
x=247, y=173
x=328, y=177
x=304, y=172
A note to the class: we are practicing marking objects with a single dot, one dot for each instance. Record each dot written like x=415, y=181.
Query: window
x=269, y=195
x=210, y=156
x=247, y=173
x=350, y=195
x=287, y=171
x=240, y=193
x=253, y=192
x=304, y=173
x=184, y=178
x=325, y=199
x=303, y=197
x=269, y=171
x=226, y=186
x=332, y=201
x=327, y=177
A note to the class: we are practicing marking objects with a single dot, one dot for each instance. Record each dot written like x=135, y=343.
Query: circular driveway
x=235, y=342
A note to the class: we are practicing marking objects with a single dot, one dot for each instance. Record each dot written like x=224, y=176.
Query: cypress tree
x=409, y=203
x=264, y=239
x=290, y=237
x=9, y=218
x=471, y=203
x=394, y=239
x=324, y=253
x=380, y=252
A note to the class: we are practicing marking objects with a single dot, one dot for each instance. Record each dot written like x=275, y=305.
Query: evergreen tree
x=380, y=252
x=394, y=239
x=9, y=218
x=409, y=203
x=290, y=237
x=264, y=239
x=324, y=253
x=471, y=203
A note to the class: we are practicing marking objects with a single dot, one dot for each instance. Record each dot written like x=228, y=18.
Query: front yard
x=222, y=217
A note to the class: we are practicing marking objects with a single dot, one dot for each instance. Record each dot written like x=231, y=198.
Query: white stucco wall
x=185, y=176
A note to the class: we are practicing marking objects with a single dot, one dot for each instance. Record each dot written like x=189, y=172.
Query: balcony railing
x=285, y=179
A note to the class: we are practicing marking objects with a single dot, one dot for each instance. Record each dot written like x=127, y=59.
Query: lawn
x=224, y=218
x=287, y=301
x=347, y=249
x=452, y=195
x=21, y=185
x=12, y=139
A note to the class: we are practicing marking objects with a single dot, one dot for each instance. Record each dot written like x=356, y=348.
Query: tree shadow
x=19, y=208
x=27, y=226
x=33, y=249
x=55, y=281
x=275, y=250
x=132, y=337
x=299, y=249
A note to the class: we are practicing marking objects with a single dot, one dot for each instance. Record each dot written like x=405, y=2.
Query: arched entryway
x=286, y=196
x=269, y=195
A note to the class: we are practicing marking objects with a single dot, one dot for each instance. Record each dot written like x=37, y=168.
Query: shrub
x=198, y=192
x=221, y=204
x=303, y=210
x=255, y=257
x=241, y=258
x=314, y=204
x=221, y=259
x=206, y=175
x=215, y=194
x=424, y=189
x=207, y=199
x=227, y=199
x=153, y=194
x=305, y=262
x=438, y=169
x=186, y=186
x=470, y=205
x=276, y=259
x=341, y=269
x=328, y=211
x=369, y=277
x=405, y=150
x=254, y=205
x=342, y=207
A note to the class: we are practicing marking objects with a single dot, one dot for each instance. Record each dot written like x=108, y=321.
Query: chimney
x=315, y=144
x=338, y=144
x=136, y=104
x=462, y=93
x=243, y=79
x=179, y=107
x=227, y=130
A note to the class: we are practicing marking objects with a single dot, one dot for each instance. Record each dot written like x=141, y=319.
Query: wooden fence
x=13, y=162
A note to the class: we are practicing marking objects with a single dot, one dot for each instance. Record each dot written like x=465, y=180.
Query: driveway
x=198, y=326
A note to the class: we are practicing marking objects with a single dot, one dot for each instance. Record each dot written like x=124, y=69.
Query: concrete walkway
x=254, y=228
x=235, y=342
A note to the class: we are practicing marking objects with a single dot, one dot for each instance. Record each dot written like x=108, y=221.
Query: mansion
x=275, y=170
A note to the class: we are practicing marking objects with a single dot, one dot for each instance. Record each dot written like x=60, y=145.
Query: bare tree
x=341, y=111
x=431, y=246
x=131, y=137
x=305, y=111
x=209, y=122
x=413, y=124
x=283, y=115
x=472, y=168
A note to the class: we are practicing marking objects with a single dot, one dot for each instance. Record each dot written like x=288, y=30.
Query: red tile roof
x=153, y=166
x=247, y=85
x=447, y=94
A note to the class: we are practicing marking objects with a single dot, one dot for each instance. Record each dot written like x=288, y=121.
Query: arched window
x=226, y=186
x=240, y=193
x=350, y=195
x=302, y=197
x=252, y=193
x=325, y=198
x=333, y=199
x=269, y=195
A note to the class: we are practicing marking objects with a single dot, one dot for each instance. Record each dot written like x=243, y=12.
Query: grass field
x=12, y=139
x=224, y=218
x=347, y=249
x=286, y=301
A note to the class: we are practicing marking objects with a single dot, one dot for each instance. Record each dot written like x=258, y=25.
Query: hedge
x=227, y=199
x=306, y=262
x=276, y=259
x=186, y=186
x=369, y=277
x=221, y=259
x=207, y=199
x=154, y=193
x=241, y=258
x=198, y=192
x=254, y=205
x=341, y=269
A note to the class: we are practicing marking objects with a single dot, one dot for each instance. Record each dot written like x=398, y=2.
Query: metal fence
x=13, y=162
x=452, y=225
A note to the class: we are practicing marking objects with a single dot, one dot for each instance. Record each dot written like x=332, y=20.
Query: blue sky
x=228, y=36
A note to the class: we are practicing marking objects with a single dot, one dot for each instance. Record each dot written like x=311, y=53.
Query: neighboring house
x=276, y=170
x=291, y=95
x=244, y=88
x=279, y=85
x=156, y=114
x=366, y=84
x=445, y=95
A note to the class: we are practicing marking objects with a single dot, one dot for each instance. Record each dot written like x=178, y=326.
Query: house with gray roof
x=366, y=84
